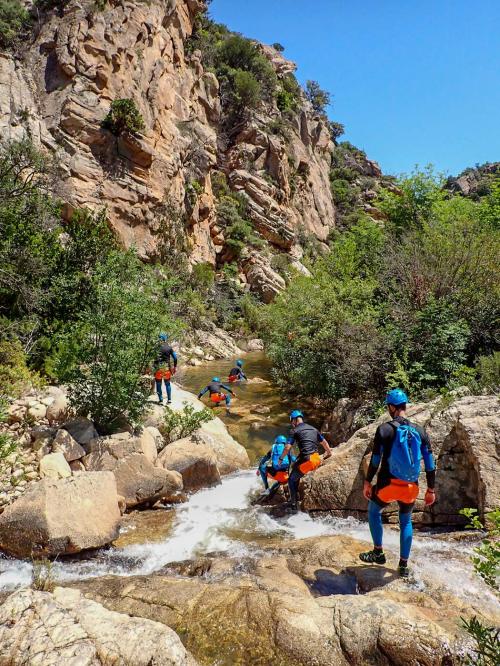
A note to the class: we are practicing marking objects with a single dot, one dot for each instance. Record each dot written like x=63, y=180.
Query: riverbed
x=223, y=518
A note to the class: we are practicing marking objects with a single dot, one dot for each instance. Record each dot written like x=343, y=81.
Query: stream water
x=223, y=519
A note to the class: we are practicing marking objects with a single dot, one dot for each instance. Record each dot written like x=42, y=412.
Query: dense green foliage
x=123, y=116
x=486, y=561
x=114, y=341
x=178, y=424
x=413, y=303
x=13, y=20
x=318, y=97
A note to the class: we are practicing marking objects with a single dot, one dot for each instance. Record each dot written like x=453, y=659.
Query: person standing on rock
x=165, y=366
x=237, y=374
x=217, y=395
x=307, y=438
x=269, y=465
x=399, y=446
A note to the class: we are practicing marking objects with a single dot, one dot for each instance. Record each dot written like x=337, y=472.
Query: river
x=223, y=519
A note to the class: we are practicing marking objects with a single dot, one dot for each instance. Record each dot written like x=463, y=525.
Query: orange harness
x=163, y=373
x=217, y=397
x=398, y=490
x=233, y=378
x=310, y=465
x=280, y=477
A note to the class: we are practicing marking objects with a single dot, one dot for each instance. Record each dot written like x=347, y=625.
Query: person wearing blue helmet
x=165, y=365
x=270, y=465
x=236, y=374
x=398, y=449
x=217, y=395
x=307, y=438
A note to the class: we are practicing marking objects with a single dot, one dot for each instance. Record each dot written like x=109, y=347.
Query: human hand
x=367, y=490
x=328, y=454
x=174, y=371
x=257, y=472
x=430, y=497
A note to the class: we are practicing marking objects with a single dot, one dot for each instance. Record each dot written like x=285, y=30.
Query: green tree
x=123, y=116
x=114, y=342
x=13, y=20
x=318, y=97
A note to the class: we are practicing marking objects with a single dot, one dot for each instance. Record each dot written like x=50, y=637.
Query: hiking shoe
x=403, y=571
x=160, y=402
x=169, y=402
x=373, y=557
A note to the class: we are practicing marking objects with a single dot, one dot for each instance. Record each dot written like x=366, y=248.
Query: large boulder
x=58, y=409
x=67, y=445
x=194, y=459
x=62, y=516
x=65, y=628
x=81, y=429
x=465, y=441
x=180, y=398
x=131, y=459
x=54, y=466
x=299, y=603
x=230, y=455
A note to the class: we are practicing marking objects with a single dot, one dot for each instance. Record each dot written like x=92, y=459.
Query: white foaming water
x=216, y=519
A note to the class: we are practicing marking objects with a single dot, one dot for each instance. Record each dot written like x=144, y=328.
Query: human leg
x=293, y=484
x=168, y=386
x=263, y=475
x=405, y=536
x=376, y=555
x=158, y=389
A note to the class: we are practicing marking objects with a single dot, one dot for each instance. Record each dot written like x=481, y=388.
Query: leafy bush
x=13, y=20
x=42, y=577
x=15, y=377
x=486, y=563
x=7, y=444
x=318, y=97
x=123, y=116
x=278, y=47
x=336, y=130
x=179, y=424
x=114, y=342
x=288, y=94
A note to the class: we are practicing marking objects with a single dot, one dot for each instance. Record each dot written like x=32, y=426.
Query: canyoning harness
x=406, y=452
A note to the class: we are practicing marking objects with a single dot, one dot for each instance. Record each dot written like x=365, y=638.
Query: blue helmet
x=215, y=379
x=163, y=337
x=396, y=397
x=295, y=414
x=239, y=363
x=280, y=439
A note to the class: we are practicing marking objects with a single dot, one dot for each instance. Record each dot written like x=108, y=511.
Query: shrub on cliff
x=123, y=116
x=13, y=20
x=114, y=342
x=318, y=97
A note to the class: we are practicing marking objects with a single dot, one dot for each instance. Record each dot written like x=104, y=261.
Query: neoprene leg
x=405, y=534
x=263, y=475
x=228, y=400
x=375, y=523
x=293, y=484
x=158, y=389
x=168, y=386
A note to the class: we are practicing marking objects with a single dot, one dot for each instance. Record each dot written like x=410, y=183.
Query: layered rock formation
x=157, y=185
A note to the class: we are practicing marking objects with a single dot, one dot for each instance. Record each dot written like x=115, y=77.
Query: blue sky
x=413, y=81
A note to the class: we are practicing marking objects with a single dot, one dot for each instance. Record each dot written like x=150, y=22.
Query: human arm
x=325, y=445
x=286, y=450
x=175, y=359
x=242, y=375
x=226, y=388
x=202, y=392
x=430, y=468
x=264, y=460
x=374, y=464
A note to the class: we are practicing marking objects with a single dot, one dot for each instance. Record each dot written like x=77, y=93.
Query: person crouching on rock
x=165, y=366
x=237, y=374
x=216, y=393
x=307, y=438
x=399, y=446
x=276, y=471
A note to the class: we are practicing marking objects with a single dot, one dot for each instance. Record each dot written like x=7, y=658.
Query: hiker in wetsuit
x=165, y=366
x=277, y=471
x=307, y=438
x=216, y=394
x=237, y=373
x=398, y=449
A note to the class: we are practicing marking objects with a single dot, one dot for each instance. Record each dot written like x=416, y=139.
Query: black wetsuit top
x=165, y=352
x=214, y=387
x=237, y=372
x=307, y=438
x=382, y=446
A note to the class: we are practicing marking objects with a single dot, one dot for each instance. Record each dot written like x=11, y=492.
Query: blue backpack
x=276, y=451
x=406, y=454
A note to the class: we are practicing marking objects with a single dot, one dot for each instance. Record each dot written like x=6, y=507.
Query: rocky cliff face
x=82, y=58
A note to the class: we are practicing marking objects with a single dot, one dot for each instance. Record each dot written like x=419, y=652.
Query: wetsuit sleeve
x=376, y=456
x=202, y=392
x=320, y=438
x=265, y=459
x=242, y=375
x=174, y=357
x=429, y=464
x=226, y=388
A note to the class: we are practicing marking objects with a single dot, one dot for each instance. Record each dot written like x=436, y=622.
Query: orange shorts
x=310, y=465
x=217, y=397
x=280, y=477
x=163, y=373
x=398, y=491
